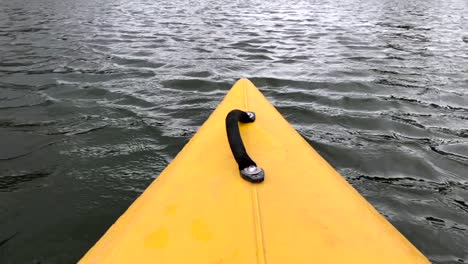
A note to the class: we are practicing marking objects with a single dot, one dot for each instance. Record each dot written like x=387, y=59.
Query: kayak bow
x=201, y=210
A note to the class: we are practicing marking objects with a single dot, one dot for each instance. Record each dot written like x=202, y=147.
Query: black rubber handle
x=247, y=167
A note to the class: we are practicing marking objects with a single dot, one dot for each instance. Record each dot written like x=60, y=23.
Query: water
x=96, y=98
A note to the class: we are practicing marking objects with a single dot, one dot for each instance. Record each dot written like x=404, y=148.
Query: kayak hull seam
x=261, y=258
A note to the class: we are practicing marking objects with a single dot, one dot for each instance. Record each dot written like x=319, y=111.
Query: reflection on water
x=97, y=97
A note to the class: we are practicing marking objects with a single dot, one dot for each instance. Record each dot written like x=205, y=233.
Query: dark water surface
x=97, y=96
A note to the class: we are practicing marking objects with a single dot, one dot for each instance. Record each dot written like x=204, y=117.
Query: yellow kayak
x=247, y=188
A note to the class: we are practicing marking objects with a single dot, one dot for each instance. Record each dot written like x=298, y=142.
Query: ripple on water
x=196, y=85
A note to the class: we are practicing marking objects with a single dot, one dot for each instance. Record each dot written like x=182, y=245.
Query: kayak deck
x=199, y=210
